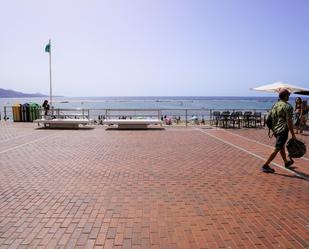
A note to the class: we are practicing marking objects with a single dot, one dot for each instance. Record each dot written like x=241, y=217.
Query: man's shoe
x=267, y=169
x=289, y=163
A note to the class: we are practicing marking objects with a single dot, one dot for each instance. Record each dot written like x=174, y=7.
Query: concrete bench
x=62, y=123
x=132, y=123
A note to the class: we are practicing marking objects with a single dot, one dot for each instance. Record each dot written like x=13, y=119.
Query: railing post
x=5, y=117
x=186, y=117
x=210, y=116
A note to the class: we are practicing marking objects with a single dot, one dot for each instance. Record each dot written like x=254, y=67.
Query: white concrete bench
x=62, y=123
x=132, y=123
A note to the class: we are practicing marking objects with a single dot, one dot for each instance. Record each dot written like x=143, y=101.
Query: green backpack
x=269, y=122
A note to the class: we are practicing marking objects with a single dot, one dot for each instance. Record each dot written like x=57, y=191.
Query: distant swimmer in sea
x=45, y=106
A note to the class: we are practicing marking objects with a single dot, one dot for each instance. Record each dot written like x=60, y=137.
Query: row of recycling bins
x=26, y=112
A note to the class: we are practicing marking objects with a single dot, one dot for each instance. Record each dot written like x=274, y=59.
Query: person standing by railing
x=297, y=113
x=304, y=115
x=45, y=106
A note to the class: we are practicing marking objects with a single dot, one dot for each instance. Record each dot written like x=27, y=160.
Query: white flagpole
x=50, y=77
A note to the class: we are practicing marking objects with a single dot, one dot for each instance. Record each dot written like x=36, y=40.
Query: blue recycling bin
x=26, y=116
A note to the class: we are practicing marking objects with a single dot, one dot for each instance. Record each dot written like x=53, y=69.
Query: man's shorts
x=281, y=139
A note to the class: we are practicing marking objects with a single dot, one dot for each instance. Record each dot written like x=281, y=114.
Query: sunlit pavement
x=174, y=188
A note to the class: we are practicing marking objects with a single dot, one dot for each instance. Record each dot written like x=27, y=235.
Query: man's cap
x=283, y=92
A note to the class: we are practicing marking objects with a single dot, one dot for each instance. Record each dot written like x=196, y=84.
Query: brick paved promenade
x=174, y=188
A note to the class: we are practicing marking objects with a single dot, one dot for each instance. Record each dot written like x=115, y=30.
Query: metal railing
x=67, y=113
x=177, y=116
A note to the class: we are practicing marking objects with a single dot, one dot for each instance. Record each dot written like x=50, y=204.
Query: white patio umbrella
x=275, y=87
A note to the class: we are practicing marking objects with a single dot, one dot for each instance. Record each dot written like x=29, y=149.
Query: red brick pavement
x=260, y=148
x=173, y=188
x=261, y=135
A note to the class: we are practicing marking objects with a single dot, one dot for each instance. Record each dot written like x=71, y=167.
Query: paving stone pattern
x=172, y=188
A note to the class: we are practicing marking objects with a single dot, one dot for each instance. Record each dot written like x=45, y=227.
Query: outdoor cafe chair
x=257, y=119
x=247, y=118
x=215, y=118
x=240, y=117
x=225, y=118
x=235, y=118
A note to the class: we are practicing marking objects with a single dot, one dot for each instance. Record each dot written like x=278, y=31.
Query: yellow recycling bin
x=16, y=112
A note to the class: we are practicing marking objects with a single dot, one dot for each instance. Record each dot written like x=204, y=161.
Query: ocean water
x=167, y=103
x=150, y=102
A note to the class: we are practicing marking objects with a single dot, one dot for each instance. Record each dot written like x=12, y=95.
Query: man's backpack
x=269, y=123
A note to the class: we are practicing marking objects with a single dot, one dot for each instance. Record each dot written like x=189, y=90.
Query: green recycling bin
x=16, y=112
x=34, y=111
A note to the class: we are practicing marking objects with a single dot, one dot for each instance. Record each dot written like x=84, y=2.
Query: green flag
x=47, y=48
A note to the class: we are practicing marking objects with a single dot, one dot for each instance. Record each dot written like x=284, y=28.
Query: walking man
x=282, y=114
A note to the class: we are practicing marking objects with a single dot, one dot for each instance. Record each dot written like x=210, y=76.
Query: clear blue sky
x=153, y=47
